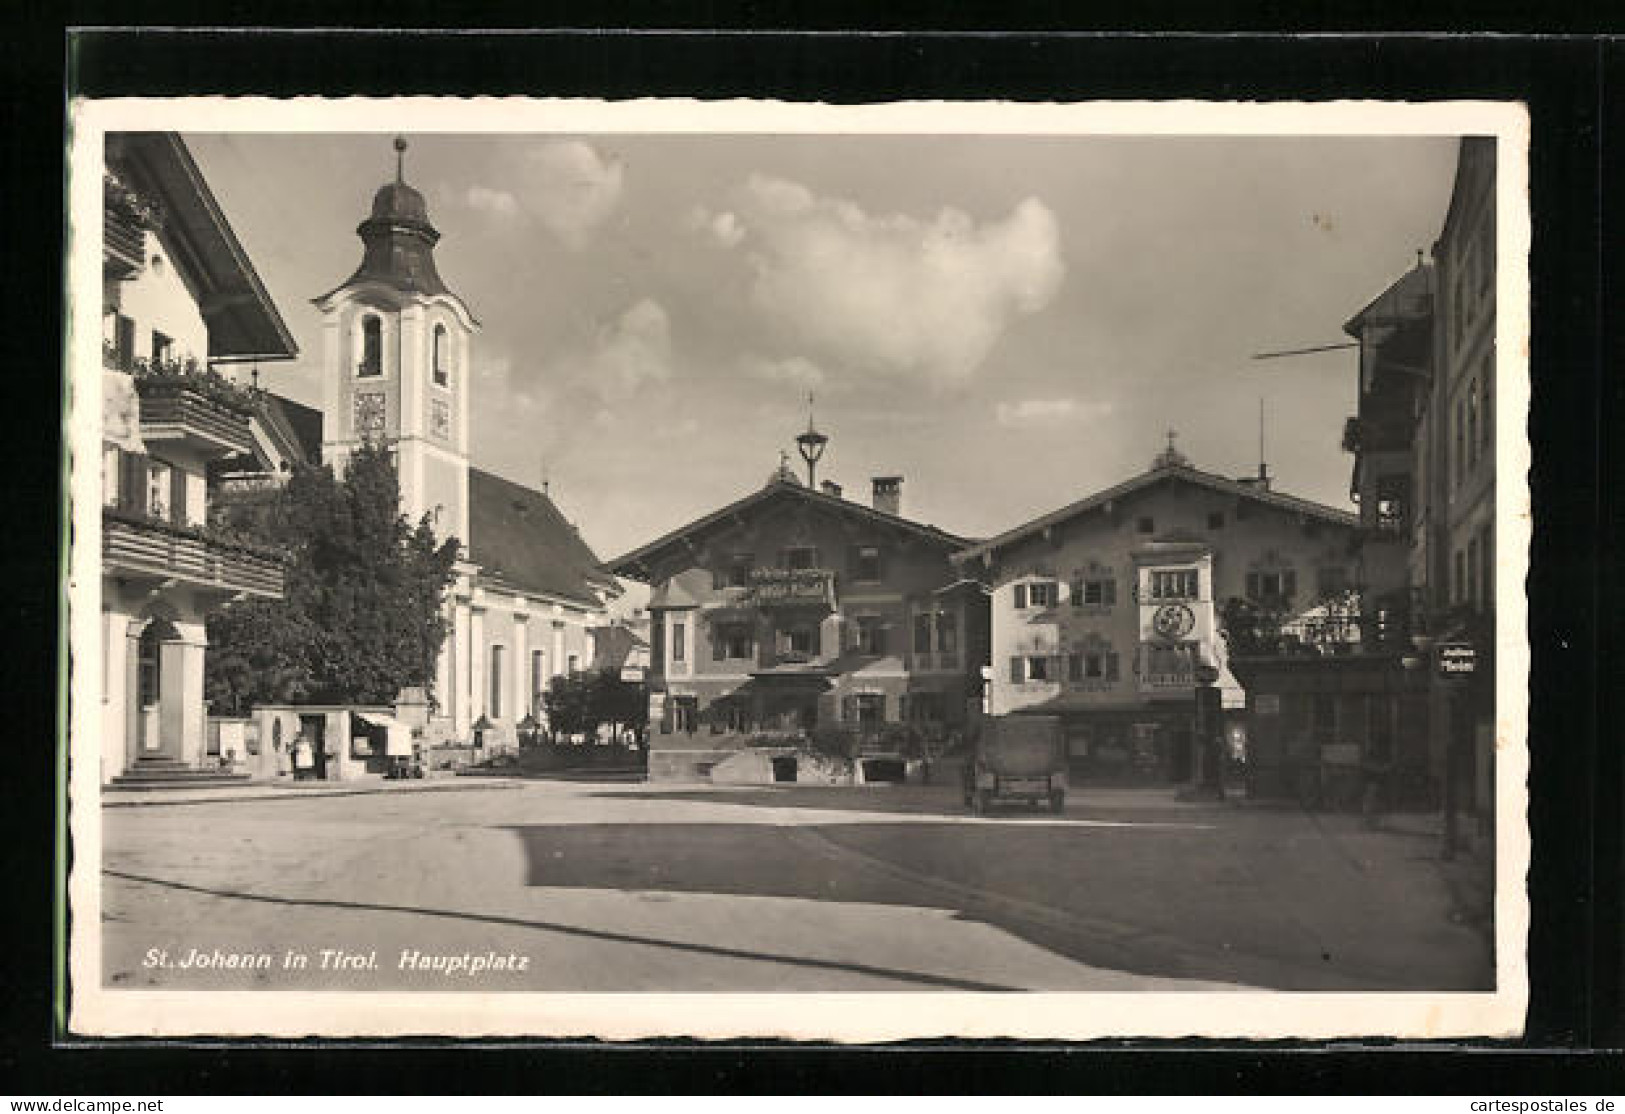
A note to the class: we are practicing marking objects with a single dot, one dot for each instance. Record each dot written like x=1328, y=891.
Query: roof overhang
x=243, y=320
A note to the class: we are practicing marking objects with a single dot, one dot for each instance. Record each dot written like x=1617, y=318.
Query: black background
x=1578, y=368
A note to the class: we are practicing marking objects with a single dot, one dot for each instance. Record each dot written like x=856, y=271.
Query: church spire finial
x=400, y=159
x=1171, y=457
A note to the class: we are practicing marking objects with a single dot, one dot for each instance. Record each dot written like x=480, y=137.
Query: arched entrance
x=151, y=740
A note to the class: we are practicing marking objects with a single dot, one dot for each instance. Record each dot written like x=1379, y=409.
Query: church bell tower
x=397, y=345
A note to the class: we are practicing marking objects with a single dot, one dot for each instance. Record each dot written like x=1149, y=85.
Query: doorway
x=314, y=728
x=150, y=689
x=784, y=767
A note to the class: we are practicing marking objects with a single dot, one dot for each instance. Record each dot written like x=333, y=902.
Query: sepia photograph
x=675, y=569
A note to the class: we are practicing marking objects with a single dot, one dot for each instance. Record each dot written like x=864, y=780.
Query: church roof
x=397, y=240
x=1173, y=472
x=635, y=565
x=518, y=536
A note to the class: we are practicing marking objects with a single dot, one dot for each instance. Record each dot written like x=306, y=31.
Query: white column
x=117, y=645
x=521, y=674
x=458, y=689
x=476, y=659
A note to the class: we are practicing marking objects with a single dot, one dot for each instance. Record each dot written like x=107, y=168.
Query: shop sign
x=769, y=587
x=1457, y=659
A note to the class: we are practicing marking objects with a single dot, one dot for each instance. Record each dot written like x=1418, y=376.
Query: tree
x=361, y=616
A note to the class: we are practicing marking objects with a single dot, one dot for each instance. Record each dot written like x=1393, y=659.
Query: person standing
x=304, y=758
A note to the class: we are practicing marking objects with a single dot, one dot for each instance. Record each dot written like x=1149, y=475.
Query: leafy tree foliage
x=582, y=702
x=361, y=616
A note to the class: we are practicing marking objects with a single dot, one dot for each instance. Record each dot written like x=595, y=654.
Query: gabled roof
x=635, y=565
x=518, y=536
x=1408, y=298
x=1179, y=473
x=243, y=321
x=296, y=427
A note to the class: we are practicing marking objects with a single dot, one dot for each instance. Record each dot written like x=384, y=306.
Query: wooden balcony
x=124, y=243
x=171, y=411
x=156, y=551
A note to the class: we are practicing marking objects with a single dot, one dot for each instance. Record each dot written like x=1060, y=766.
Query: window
x=1043, y=593
x=147, y=665
x=739, y=570
x=867, y=710
x=372, y=346
x=158, y=488
x=871, y=635
x=1096, y=592
x=731, y=640
x=947, y=633
x=1037, y=669
x=866, y=563
x=1215, y=520
x=496, y=682
x=1332, y=580
x=1472, y=573
x=124, y=343
x=801, y=557
x=1173, y=584
x=1272, y=587
x=1472, y=422
x=922, y=634
x=799, y=641
x=1146, y=525
x=1485, y=425
x=1393, y=499
x=442, y=357
x=574, y=664
x=1074, y=667
x=163, y=348
x=1459, y=588
x=1459, y=465
x=677, y=640
x=538, y=679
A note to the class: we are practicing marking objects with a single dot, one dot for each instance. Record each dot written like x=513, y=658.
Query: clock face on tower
x=369, y=413
x=1173, y=621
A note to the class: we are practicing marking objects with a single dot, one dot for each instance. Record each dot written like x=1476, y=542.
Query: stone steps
x=165, y=773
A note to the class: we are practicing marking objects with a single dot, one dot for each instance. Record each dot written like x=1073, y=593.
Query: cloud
x=564, y=185
x=499, y=203
x=1048, y=411
x=796, y=371
x=724, y=227
x=633, y=351
x=893, y=294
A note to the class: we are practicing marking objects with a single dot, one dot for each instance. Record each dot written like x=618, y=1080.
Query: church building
x=398, y=353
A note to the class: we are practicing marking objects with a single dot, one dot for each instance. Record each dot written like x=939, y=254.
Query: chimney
x=831, y=488
x=889, y=494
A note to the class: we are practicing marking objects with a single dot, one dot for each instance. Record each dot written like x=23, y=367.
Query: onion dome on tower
x=399, y=240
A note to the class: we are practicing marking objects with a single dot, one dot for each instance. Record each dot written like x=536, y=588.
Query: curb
x=150, y=799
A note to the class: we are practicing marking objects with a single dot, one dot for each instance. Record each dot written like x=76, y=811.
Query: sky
x=1010, y=323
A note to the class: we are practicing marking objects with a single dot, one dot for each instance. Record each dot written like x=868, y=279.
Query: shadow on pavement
x=943, y=800
x=1169, y=904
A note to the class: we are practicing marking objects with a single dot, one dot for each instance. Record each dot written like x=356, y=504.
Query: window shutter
x=133, y=482
x=717, y=644
x=1289, y=584
x=1108, y=593
x=1252, y=586
x=817, y=641
x=177, y=496
x=1021, y=597
x=1111, y=665
x=849, y=709
x=1077, y=593
x=1015, y=671
x=1075, y=667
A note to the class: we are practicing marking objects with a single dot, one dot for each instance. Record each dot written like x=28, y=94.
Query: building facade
x=794, y=610
x=1103, y=610
x=398, y=353
x=179, y=298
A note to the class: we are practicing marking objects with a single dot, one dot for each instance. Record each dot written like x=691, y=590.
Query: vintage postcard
x=762, y=570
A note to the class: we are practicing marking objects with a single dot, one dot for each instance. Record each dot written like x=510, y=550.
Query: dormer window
x=372, y=346
x=442, y=357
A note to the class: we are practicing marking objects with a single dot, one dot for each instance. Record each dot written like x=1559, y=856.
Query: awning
x=398, y=735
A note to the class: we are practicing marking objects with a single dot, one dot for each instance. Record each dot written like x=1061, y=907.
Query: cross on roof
x=400, y=158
